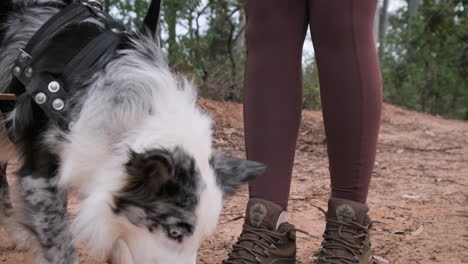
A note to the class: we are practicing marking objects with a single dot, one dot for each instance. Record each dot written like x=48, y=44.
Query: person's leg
x=275, y=34
x=273, y=92
x=350, y=82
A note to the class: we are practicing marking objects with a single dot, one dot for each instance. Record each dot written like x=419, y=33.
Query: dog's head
x=174, y=199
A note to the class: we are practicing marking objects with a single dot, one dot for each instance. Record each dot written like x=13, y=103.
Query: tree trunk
x=199, y=58
x=383, y=27
x=376, y=24
x=170, y=16
x=413, y=6
x=107, y=5
x=240, y=38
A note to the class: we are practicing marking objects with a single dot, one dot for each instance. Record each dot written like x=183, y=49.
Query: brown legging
x=350, y=86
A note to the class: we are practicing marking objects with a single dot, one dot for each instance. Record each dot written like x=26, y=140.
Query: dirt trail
x=418, y=197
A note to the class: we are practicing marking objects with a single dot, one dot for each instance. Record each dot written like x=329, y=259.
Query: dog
x=138, y=150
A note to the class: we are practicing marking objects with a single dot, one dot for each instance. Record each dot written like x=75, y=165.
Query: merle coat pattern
x=138, y=151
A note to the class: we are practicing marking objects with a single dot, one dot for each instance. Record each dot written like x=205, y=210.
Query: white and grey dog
x=139, y=151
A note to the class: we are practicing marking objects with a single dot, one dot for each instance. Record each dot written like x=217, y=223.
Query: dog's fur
x=138, y=151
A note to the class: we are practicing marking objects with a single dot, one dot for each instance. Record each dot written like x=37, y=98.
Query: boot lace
x=261, y=241
x=334, y=239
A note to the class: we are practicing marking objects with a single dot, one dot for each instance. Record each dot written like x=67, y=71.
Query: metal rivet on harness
x=40, y=98
x=16, y=71
x=96, y=4
x=58, y=104
x=23, y=57
x=54, y=86
x=28, y=73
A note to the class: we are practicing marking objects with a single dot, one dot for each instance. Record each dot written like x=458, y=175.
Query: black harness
x=46, y=77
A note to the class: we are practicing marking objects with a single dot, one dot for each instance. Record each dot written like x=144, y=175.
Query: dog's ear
x=153, y=168
x=231, y=173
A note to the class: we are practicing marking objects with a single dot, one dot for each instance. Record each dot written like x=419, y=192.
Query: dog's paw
x=35, y=257
x=19, y=238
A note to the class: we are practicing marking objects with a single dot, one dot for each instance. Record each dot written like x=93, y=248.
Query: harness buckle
x=24, y=57
x=97, y=4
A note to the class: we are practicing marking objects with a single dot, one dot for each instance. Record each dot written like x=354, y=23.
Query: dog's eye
x=179, y=231
x=176, y=233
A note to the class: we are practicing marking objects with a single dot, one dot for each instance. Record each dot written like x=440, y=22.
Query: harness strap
x=23, y=69
x=48, y=93
x=92, y=52
x=70, y=14
x=49, y=89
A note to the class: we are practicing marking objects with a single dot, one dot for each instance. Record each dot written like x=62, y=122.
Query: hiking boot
x=266, y=238
x=346, y=239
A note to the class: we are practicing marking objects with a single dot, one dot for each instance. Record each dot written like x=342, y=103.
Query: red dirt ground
x=418, y=197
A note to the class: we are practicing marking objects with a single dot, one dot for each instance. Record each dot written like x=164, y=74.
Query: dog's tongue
x=263, y=214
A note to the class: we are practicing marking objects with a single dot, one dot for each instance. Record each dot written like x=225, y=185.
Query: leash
x=46, y=77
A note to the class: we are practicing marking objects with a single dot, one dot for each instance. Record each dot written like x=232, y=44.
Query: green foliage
x=130, y=12
x=202, y=38
x=311, y=85
x=425, y=63
x=209, y=50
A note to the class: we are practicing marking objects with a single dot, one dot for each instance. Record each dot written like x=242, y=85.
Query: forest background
x=422, y=45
